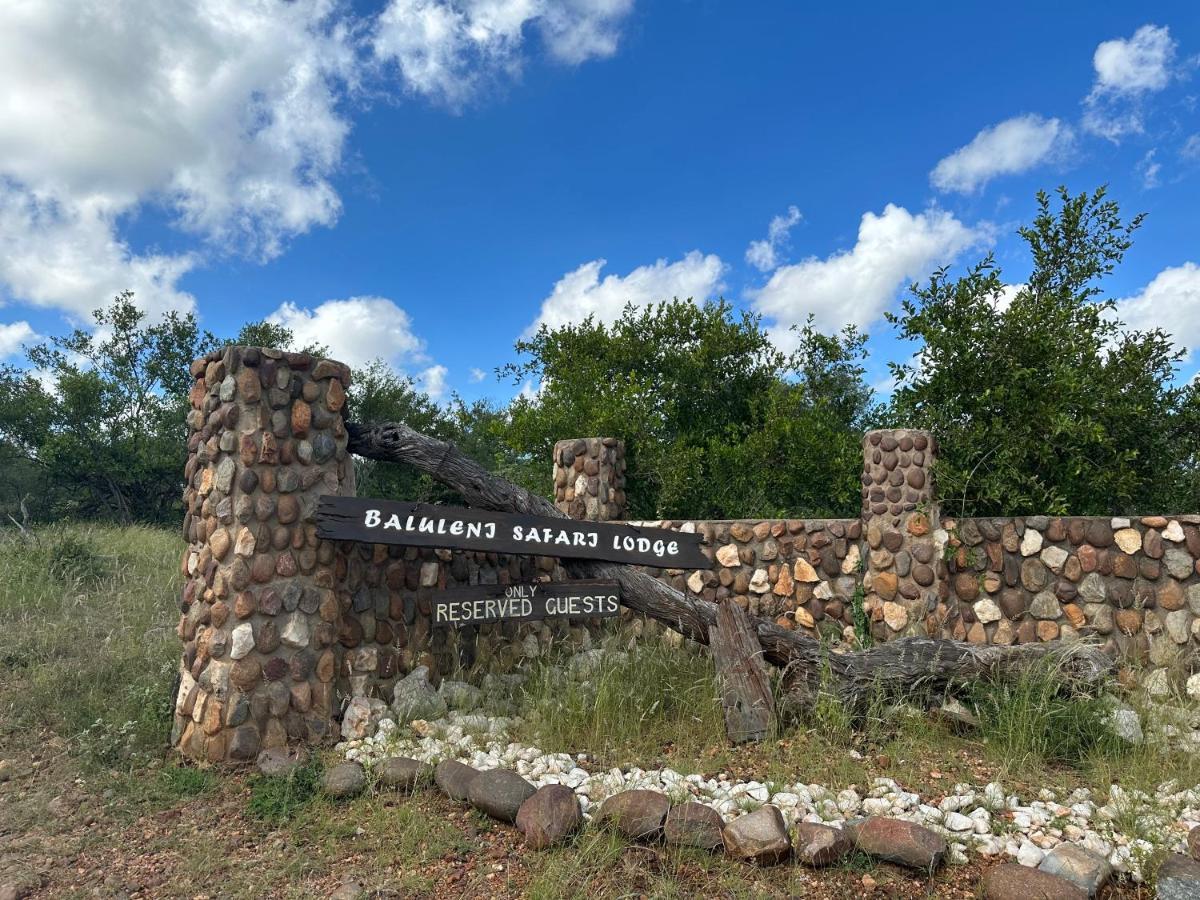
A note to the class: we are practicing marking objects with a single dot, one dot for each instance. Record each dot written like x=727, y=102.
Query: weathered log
x=746, y=697
x=897, y=668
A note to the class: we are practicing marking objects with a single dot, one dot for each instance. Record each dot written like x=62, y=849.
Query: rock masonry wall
x=281, y=630
x=1134, y=583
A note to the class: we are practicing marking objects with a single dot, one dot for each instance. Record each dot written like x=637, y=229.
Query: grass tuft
x=641, y=701
x=1036, y=717
x=277, y=799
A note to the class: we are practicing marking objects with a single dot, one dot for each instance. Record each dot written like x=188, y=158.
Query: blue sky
x=425, y=180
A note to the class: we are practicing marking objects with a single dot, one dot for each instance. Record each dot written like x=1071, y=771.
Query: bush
x=74, y=559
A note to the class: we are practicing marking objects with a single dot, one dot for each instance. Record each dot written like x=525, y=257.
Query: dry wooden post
x=745, y=688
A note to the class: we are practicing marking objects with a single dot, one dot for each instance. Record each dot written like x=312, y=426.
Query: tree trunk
x=899, y=668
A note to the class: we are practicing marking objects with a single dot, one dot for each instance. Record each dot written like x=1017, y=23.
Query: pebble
x=975, y=819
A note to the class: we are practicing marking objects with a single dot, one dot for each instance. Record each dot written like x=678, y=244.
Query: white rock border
x=986, y=820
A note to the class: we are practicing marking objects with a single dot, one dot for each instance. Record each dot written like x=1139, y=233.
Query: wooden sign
x=425, y=525
x=480, y=603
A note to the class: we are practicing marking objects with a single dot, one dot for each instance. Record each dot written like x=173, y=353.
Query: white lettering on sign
x=373, y=518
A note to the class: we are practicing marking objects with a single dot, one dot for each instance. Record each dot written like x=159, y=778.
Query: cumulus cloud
x=1127, y=69
x=445, y=49
x=356, y=330
x=222, y=112
x=1014, y=145
x=855, y=286
x=477, y=375
x=66, y=255
x=1171, y=301
x=582, y=293
x=764, y=254
x=433, y=381
x=228, y=117
x=14, y=335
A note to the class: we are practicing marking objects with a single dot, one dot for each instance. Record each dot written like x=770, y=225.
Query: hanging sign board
x=460, y=528
x=481, y=603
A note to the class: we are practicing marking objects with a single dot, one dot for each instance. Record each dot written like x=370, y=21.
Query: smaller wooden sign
x=478, y=604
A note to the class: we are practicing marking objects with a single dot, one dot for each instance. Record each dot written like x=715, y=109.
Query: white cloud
x=856, y=286
x=477, y=375
x=764, y=255
x=356, y=330
x=446, y=49
x=581, y=293
x=1141, y=63
x=1012, y=146
x=433, y=381
x=221, y=112
x=1171, y=301
x=67, y=256
x=14, y=335
x=1127, y=70
x=227, y=117
x=1149, y=169
x=1191, y=148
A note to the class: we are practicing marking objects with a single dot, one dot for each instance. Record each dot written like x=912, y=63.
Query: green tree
x=706, y=404
x=100, y=430
x=1041, y=399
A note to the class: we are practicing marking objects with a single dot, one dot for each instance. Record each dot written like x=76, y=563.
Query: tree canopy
x=1042, y=400
x=717, y=421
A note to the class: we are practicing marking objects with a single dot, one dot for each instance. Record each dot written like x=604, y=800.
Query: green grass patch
x=87, y=643
x=276, y=799
x=640, y=701
x=1036, y=717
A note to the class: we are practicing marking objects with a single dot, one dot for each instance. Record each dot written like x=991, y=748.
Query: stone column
x=904, y=577
x=260, y=612
x=589, y=479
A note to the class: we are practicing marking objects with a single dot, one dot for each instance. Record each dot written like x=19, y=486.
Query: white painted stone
x=1031, y=542
x=1193, y=686
x=1173, y=532
x=1119, y=522
x=243, y=641
x=695, y=582
x=987, y=611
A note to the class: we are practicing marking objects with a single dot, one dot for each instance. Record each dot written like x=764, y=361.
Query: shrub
x=74, y=559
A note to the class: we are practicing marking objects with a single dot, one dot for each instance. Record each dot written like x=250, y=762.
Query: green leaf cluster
x=717, y=421
x=1041, y=399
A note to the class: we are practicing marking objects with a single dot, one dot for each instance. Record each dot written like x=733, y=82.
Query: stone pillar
x=589, y=479
x=260, y=612
x=904, y=577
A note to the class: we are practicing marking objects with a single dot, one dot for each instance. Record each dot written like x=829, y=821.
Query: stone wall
x=281, y=630
x=260, y=613
x=800, y=572
x=1132, y=582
